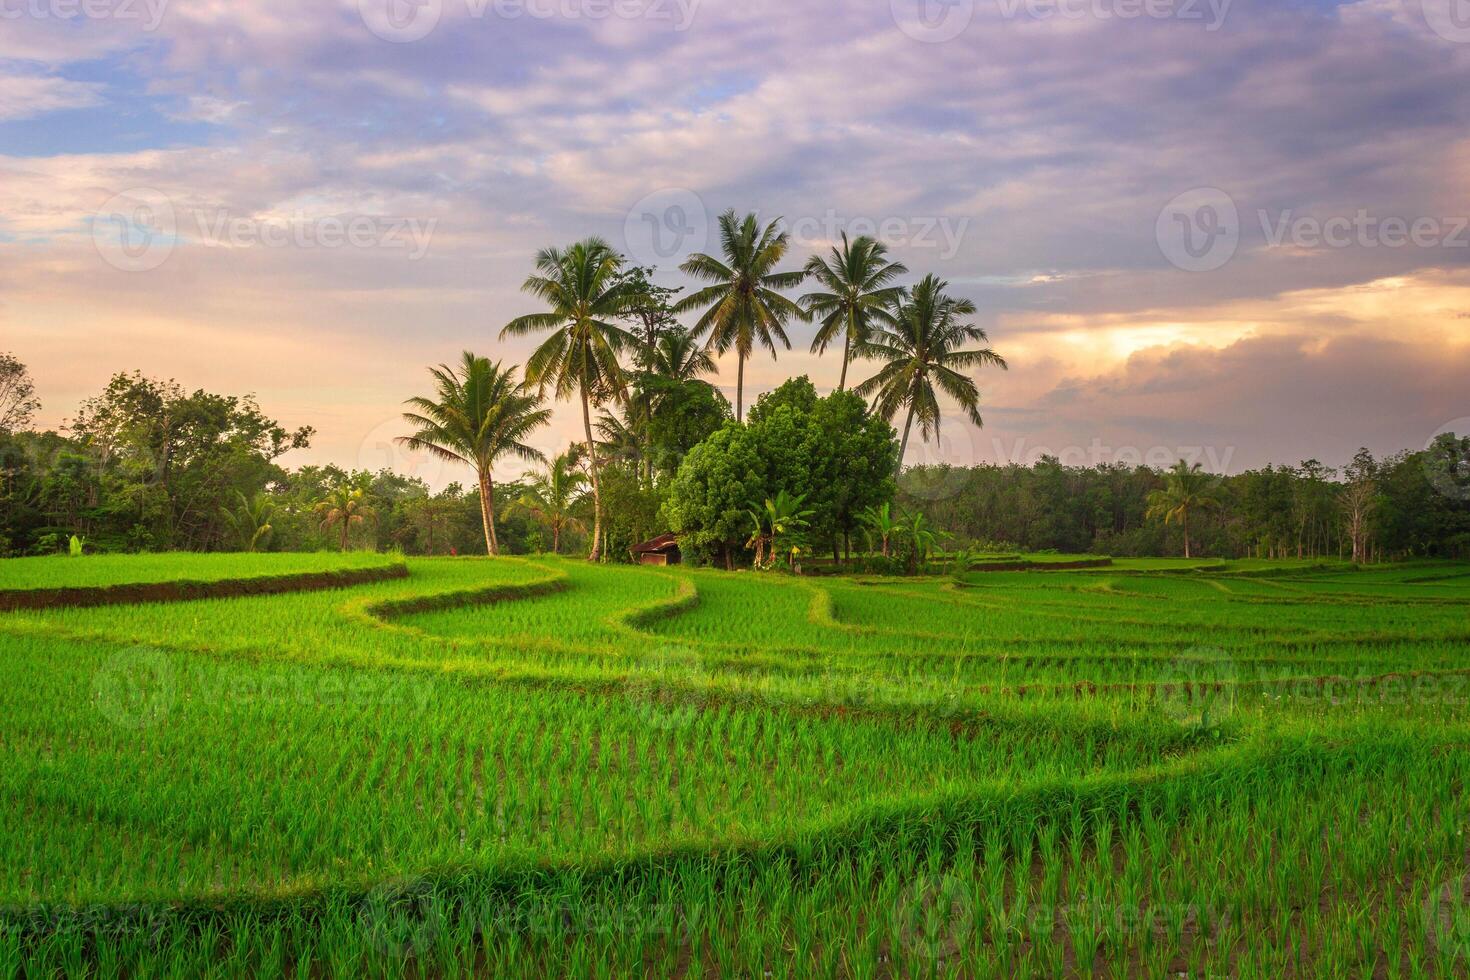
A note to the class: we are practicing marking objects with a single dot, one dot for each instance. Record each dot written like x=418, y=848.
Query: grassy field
x=521, y=767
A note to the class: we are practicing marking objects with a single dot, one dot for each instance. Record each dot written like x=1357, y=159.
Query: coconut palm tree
x=743, y=305
x=345, y=506
x=1186, y=491
x=922, y=350
x=554, y=495
x=859, y=293
x=586, y=294
x=678, y=356
x=479, y=414
x=251, y=519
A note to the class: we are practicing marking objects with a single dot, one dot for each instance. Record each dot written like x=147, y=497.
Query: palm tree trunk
x=556, y=539
x=487, y=513
x=904, y=446
x=846, y=353
x=1185, y=521
x=596, y=479
x=740, y=387
x=346, y=523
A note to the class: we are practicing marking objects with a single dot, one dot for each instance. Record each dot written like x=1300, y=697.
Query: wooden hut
x=662, y=550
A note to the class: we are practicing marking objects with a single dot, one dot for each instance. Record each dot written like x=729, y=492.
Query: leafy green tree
x=479, y=414
x=586, y=293
x=825, y=450
x=859, y=292
x=18, y=401
x=922, y=351
x=716, y=485
x=743, y=306
x=555, y=496
x=1188, y=491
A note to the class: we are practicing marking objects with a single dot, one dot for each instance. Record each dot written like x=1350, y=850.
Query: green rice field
x=531, y=767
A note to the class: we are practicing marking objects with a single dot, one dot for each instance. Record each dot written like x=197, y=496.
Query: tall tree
x=18, y=402
x=554, y=497
x=1186, y=491
x=1359, y=499
x=478, y=414
x=586, y=293
x=743, y=305
x=922, y=350
x=859, y=293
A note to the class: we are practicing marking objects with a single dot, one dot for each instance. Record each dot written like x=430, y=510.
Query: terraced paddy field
x=519, y=767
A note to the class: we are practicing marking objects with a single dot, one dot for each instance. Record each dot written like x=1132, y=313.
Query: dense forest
x=146, y=465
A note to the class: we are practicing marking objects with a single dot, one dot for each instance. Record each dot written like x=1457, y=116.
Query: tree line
x=146, y=465
x=1414, y=503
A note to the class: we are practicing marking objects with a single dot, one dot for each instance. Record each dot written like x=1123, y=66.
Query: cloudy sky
x=1235, y=231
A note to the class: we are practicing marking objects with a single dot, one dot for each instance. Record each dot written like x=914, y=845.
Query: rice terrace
x=544, y=767
x=734, y=489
